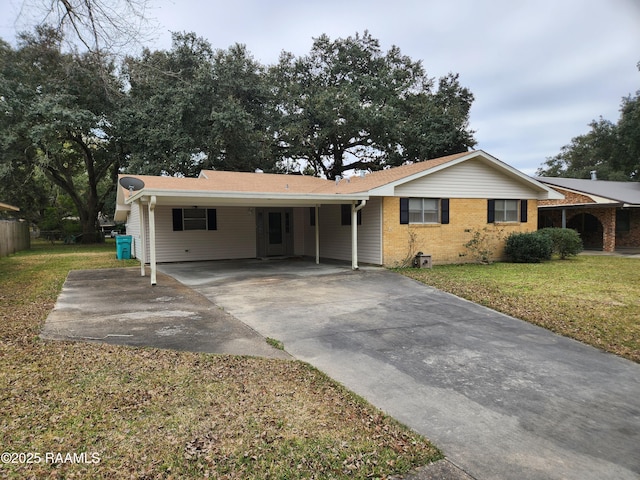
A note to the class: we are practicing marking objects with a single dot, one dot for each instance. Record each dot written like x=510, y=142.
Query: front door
x=274, y=232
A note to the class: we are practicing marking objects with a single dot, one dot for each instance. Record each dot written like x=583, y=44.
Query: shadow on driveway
x=118, y=306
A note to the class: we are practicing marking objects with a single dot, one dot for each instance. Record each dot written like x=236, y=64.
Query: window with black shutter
x=212, y=219
x=404, y=211
x=507, y=211
x=194, y=219
x=417, y=210
x=444, y=211
x=177, y=220
x=524, y=213
x=491, y=211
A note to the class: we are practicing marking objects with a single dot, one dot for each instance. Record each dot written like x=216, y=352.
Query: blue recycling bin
x=123, y=247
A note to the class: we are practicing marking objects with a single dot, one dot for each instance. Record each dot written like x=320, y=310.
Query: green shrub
x=530, y=247
x=565, y=242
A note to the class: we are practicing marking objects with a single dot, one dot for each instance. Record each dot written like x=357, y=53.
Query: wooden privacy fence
x=14, y=236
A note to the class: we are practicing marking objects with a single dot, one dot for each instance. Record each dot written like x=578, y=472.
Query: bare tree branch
x=100, y=26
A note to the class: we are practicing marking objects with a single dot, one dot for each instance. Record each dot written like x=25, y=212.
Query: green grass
x=594, y=299
x=275, y=343
x=148, y=413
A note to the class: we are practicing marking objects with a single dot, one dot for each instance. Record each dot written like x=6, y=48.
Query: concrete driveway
x=118, y=306
x=502, y=398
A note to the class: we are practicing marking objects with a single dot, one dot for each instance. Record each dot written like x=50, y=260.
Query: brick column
x=609, y=230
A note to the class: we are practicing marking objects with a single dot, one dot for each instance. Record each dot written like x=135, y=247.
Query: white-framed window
x=507, y=211
x=424, y=210
x=431, y=211
x=195, y=218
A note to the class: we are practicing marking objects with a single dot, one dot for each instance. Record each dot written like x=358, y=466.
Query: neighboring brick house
x=605, y=213
x=381, y=218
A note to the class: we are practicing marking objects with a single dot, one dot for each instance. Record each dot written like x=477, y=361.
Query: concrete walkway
x=502, y=398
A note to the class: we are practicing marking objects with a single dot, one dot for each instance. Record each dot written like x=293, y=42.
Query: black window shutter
x=523, y=211
x=404, y=211
x=345, y=214
x=212, y=219
x=491, y=211
x=177, y=220
x=312, y=216
x=444, y=211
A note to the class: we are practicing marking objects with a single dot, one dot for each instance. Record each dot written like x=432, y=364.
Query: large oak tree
x=191, y=108
x=348, y=105
x=56, y=117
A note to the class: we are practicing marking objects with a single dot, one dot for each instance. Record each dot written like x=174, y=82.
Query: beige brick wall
x=445, y=243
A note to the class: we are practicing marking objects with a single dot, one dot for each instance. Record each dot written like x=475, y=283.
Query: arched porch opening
x=590, y=229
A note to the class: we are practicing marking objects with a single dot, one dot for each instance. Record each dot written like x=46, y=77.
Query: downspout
x=317, y=234
x=152, y=238
x=354, y=232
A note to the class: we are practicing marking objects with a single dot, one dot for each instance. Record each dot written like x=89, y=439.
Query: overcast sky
x=540, y=70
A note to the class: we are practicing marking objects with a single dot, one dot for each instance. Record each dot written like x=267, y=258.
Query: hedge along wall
x=14, y=236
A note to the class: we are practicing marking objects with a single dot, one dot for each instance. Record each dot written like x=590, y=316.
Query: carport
x=146, y=195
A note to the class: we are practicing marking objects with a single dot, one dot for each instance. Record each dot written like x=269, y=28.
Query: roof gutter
x=291, y=197
x=559, y=206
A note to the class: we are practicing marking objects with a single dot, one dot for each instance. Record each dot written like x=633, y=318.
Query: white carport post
x=152, y=238
x=317, y=235
x=355, y=208
x=142, y=245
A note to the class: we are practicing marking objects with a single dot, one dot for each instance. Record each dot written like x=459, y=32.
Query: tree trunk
x=90, y=231
x=89, y=218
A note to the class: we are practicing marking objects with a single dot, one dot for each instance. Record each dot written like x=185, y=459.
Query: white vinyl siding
x=133, y=228
x=133, y=220
x=234, y=238
x=335, y=239
x=370, y=233
x=471, y=179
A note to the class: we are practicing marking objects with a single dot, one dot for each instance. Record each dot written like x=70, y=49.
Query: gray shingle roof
x=623, y=192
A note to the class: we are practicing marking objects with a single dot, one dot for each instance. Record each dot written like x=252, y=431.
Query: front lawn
x=594, y=299
x=79, y=410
